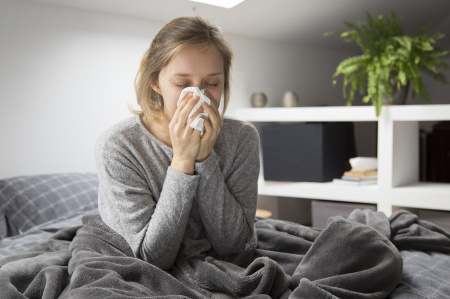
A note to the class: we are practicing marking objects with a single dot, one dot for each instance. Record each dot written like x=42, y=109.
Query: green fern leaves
x=389, y=60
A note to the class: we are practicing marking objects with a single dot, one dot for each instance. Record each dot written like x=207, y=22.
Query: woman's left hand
x=213, y=125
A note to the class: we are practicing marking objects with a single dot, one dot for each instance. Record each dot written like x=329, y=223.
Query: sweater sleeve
x=153, y=228
x=228, y=204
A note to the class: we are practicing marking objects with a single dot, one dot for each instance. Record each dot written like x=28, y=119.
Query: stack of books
x=364, y=172
x=358, y=178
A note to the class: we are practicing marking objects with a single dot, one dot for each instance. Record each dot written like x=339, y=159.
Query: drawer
x=440, y=218
x=322, y=210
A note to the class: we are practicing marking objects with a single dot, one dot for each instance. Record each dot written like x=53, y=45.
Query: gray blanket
x=357, y=257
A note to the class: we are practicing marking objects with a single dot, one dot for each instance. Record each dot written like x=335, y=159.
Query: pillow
x=27, y=201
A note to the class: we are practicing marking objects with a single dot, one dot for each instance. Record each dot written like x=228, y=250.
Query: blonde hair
x=176, y=35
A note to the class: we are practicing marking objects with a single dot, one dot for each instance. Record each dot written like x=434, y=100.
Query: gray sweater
x=161, y=212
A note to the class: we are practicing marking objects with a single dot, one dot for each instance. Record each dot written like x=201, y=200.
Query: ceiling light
x=220, y=3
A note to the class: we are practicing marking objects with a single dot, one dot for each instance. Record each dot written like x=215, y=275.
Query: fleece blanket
x=357, y=257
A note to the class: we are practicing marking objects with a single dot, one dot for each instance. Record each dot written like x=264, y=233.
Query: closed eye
x=212, y=84
x=181, y=85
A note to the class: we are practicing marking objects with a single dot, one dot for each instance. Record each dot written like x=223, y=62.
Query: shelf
x=417, y=112
x=304, y=114
x=424, y=195
x=344, y=113
x=324, y=191
x=398, y=156
x=436, y=194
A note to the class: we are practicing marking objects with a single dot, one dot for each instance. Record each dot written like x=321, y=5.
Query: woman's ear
x=155, y=87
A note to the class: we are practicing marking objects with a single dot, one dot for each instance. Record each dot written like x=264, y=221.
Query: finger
x=213, y=115
x=186, y=109
x=211, y=108
x=194, y=116
x=213, y=103
x=179, y=119
x=208, y=127
x=186, y=99
x=210, y=96
x=196, y=133
x=180, y=106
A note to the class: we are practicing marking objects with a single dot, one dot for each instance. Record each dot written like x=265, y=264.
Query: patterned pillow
x=27, y=201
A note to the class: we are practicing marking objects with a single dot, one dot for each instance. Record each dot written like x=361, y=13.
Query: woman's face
x=197, y=66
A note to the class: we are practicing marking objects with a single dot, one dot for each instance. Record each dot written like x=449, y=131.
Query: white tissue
x=197, y=124
x=364, y=163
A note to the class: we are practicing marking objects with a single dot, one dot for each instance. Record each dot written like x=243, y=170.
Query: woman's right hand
x=185, y=140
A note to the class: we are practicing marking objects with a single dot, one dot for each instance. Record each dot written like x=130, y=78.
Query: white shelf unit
x=398, y=156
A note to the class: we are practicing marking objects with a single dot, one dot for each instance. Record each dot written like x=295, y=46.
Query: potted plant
x=390, y=62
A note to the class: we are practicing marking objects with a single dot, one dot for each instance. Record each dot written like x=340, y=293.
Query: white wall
x=272, y=68
x=66, y=75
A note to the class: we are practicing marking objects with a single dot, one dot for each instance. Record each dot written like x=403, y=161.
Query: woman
x=164, y=187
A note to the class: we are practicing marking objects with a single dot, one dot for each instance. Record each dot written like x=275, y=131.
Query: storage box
x=440, y=218
x=322, y=210
x=312, y=152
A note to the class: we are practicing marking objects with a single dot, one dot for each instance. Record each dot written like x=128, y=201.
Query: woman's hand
x=185, y=140
x=212, y=129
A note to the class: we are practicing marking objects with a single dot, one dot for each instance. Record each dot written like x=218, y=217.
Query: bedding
x=27, y=201
x=68, y=252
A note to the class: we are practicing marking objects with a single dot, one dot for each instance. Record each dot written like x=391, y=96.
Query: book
x=354, y=183
x=359, y=179
x=423, y=156
x=361, y=174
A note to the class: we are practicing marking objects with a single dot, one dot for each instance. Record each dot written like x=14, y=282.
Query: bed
x=53, y=244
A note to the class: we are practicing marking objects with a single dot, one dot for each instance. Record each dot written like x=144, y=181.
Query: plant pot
x=399, y=95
